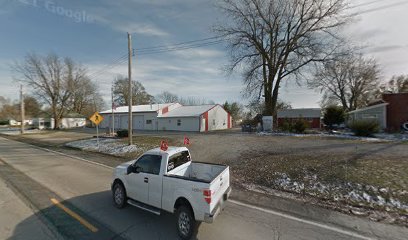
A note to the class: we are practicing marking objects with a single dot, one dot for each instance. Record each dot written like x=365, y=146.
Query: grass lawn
x=329, y=176
x=150, y=142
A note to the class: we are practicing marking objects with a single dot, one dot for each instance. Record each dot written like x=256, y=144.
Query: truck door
x=138, y=188
x=155, y=190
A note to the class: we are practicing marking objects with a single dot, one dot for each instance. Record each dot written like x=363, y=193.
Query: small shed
x=377, y=112
x=310, y=115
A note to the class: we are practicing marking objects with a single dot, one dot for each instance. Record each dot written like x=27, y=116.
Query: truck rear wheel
x=119, y=195
x=186, y=223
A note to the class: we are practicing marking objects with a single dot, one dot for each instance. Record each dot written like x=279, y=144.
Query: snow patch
x=109, y=146
x=381, y=137
x=356, y=193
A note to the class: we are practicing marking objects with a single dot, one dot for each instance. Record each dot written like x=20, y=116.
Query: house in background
x=391, y=112
x=311, y=115
x=70, y=121
x=170, y=117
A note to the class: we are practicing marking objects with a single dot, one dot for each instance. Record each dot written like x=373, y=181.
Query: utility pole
x=22, y=108
x=130, y=50
x=113, y=114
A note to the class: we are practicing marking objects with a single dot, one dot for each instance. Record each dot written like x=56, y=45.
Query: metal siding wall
x=380, y=112
x=188, y=124
x=218, y=116
x=150, y=116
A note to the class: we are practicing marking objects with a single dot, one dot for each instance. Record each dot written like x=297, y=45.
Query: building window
x=169, y=120
x=148, y=121
x=213, y=122
x=178, y=122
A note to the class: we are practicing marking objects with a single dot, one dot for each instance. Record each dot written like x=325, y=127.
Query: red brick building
x=397, y=110
x=310, y=115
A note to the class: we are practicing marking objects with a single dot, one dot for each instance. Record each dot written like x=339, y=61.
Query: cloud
x=131, y=26
x=141, y=28
x=368, y=34
x=200, y=53
x=387, y=48
x=190, y=73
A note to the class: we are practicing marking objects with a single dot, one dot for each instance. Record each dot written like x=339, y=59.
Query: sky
x=94, y=33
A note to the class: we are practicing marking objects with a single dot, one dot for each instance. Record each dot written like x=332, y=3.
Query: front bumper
x=209, y=217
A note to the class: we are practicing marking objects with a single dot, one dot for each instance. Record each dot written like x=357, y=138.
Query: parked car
x=169, y=181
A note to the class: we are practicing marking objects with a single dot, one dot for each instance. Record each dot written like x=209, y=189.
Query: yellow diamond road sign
x=96, y=118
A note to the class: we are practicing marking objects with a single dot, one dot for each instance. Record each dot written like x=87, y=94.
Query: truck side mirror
x=130, y=169
x=133, y=169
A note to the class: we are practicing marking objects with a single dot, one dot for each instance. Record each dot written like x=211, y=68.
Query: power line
x=376, y=9
x=364, y=4
x=172, y=49
x=114, y=61
x=178, y=44
x=106, y=67
x=158, y=49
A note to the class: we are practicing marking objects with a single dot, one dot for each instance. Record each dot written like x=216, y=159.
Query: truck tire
x=186, y=223
x=119, y=195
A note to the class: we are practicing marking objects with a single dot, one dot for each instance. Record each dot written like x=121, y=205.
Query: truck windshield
x=178, y=159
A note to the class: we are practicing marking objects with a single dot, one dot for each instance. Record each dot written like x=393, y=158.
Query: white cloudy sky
x=97, y=36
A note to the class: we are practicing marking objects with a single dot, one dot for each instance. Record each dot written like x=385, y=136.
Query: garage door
x=138, y=122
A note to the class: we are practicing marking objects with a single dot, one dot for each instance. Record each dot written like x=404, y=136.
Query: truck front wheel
x=119, y=195
x=186, y=224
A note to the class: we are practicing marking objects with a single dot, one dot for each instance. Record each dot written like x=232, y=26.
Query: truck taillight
x=207, y=195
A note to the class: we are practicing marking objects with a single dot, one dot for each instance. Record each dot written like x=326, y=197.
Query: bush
x=286, y=126
x=364, y=128
x=333, y=115
x=122, y=133
x=300, y=126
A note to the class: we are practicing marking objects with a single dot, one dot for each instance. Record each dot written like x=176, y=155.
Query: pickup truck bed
x=198, y=171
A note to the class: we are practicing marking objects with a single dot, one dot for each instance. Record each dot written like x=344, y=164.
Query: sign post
x=96, y=118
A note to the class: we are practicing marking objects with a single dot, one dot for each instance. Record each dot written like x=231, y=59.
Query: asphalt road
x=73, y=200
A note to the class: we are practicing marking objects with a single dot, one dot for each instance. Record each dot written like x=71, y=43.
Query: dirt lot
x=369, y=177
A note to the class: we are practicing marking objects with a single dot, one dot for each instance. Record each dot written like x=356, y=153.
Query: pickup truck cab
x=169, y=181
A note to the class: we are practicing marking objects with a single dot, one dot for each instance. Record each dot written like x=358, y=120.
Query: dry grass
x=342, y=171
x=149, y=142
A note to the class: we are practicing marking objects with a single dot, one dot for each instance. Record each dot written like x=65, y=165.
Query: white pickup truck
x=170, y=181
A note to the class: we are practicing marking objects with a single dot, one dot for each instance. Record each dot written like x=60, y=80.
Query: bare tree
x=256, y=107
x=397, y=84
x=53, y=80
x=32, y=106
x=167, y=97
x=273, y=40
x=235, y=109
x=87, y=99
x=349, y=80
x=139, y=94
x=194, y=101
x=9, y=110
